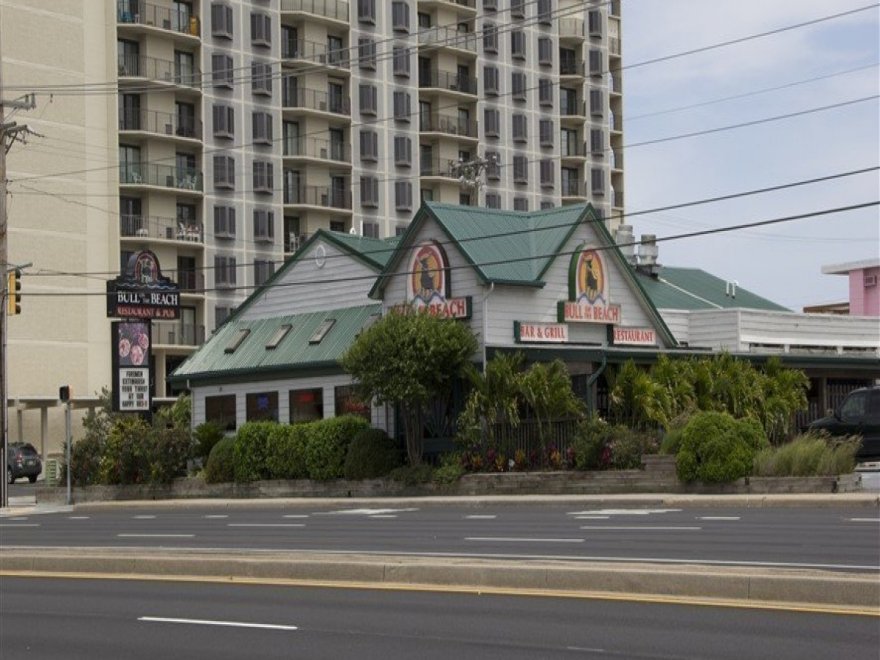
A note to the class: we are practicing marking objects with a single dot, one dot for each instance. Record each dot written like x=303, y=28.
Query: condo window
x=403, y=195
x=546, y=169
x=401, y=61
x=402, y=106
x=518, y=44
x=224, y=172
x=368, y=99
x=520, y=128
x=262, y=127
x=370, y=229
x=367, y=53
x=545, y=51
x=263, y=176
x=369, y=145
x=222, y=70
x=402, y=151
x=545, y=12
x=518, y=86
x=517, y=8
x=369, y=191
x=493, y=200
x=399, y=16
x=224, y=222
x=263, y=270
x=492, y=121
x=490, y=38
x=520, y=169
x=367, y=11
x=224, y=270
x=545, y=131
x=264, y=225
x=261, y=78
x=520, y=204
x=490, y=80
x=221, y=20
x=261, y=29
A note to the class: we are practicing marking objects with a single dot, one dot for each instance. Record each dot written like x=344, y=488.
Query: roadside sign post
x=67, y=433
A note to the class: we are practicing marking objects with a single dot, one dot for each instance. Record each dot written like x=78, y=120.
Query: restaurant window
x=348, y=403
x=306, y=405
x=221, y=411
x=262, y=407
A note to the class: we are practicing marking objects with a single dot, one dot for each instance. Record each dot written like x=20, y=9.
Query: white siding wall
x=463, y=279
x=678, y=322
x=343, y=281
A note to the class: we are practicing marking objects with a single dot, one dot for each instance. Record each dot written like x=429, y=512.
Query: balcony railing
x=161, y=123
x=151, y=227
x=141, y=66
x=327, y=8
x=431, y=166
x=569, y=68
x=614, y=46
x=573, y=150
x=451, y=125
x=298, y=49
x=573, y=188
x=571, y=27
x=573, y=109
x=165, y=176
x=617, y=159
x=314, y=99
x=445, y=36
x=167, y=18
x=448, y=80
x=175, y=333
x=293, y=241
x=618, y=200
x=318, y=196
x=306, y=147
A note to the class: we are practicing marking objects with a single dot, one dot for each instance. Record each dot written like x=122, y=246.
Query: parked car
x=859, y=414
x=22, y=460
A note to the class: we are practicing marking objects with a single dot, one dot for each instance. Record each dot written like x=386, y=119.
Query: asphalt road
x=96, y=619
x=835, y=538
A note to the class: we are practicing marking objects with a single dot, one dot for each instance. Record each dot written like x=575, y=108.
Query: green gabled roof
x=505, y=247
x=294, y=352
x=695, y=289
x=375, y=251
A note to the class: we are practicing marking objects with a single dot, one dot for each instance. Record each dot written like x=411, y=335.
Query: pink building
x=864, y=288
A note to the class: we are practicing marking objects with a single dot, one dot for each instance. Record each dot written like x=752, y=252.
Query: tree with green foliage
x=718, y=448
x=546, y=387
x=493, y=399
x=409, y=360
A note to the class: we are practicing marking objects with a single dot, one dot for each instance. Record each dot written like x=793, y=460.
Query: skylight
x=321, y=331
x=236, y=340
x=280, y=334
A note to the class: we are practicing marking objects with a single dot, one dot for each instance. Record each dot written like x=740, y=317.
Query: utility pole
x=469, y=173
x=8, y=134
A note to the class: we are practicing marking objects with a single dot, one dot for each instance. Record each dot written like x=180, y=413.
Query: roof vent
x=626, y=243
x=648, y=252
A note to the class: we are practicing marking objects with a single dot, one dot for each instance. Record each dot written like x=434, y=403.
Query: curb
x=743, y=586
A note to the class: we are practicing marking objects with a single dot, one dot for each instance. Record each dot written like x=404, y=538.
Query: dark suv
x=22, y=460
x=859, y=414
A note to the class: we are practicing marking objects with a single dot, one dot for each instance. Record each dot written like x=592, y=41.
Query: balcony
x=463, y=8
x=158, y=228
x=293, y=242
x=571, y=29
x=332, y=10
x=618, y=200
x=445, y=37
x=309, y=53
x=576, y=150
x=447, y=80
x=614, y=46
x=449, y=125
x=574, y=188
x=189, y=281
x=175, y=333
x=320, y=196
x=160, y=123
x=133, y=12
x=314, y=99
x=162, y=176
x=571, y=68
x=615, y=84
x=316, y=149
x=152, y=68
x=617, y=159
x=436, y=167
x=573, y=110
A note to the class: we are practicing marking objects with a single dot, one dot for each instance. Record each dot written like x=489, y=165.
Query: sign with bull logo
x=588, y=300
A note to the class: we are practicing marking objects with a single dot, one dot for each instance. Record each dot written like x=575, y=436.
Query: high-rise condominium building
x=242, y=126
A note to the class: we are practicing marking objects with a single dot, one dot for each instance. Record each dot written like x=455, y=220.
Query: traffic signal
x=13, y=292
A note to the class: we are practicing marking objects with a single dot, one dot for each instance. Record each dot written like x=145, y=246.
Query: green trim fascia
x=328, y=368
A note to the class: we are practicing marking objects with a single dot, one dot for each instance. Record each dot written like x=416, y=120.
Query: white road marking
x=216, y=516
x=77, y=517
x=592, y=517
x=480, y=517
x=296, y=515
x=520, y=540
x=155, y=536
x=381, y=516
x=622, y=512
x=673, y=528
x=205, y=622
x=362, y=512
x=587, y=649
x=863, y=519
x=265, y=525
x=19, y=525
x=718, y=517
x=18, y=518
x=143, y=517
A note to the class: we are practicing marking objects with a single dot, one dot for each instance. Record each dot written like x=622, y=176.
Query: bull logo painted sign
x=588, y=300
x=428, y=288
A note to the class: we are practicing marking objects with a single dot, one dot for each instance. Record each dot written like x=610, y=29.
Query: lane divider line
x=144, y=517
x=19, y=524
x=206, y=622
x=155, y=536
x=520, y=540
x=652, y=528
x=296, y=515
x=265, y=525
x=480, y=517
x=216, y=516
x=718, y=518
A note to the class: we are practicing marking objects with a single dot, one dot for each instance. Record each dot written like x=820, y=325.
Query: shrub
x=627, y=446
x=371, y=454
x=206, y=436
x=168, y=449
x=717, y=448
x=412, y=475
x=286, y=451
x=810, y=454
x=326, y=445
x=671, y=442
x=251, y=451
x=589, y=440
x=221, y=462
x=85, y=460
x=450, y=470
x=124, y=456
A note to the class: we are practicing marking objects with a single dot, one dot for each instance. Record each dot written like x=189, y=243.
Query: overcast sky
x=781, y=262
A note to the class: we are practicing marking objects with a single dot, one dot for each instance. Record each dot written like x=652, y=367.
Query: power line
x=553, y=255
x=622, y=217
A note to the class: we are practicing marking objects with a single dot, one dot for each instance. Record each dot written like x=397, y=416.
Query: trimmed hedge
x=326, y=445
x=251, y=451
x=221, y=462
x=286, y=451
x=372, y=454
x=716, y=448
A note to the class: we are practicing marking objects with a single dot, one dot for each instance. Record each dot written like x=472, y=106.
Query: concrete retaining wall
x=657, y=477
